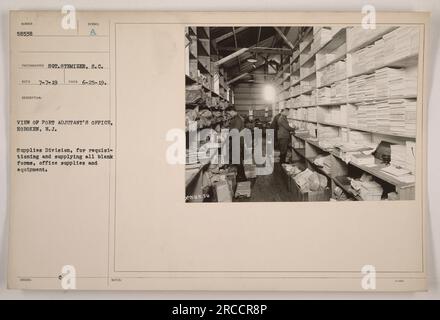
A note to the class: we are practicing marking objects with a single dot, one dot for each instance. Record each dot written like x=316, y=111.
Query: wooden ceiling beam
x=232, y=56
x=289, y=44
x=230, y=34
x=285, y=51
x=240, y=76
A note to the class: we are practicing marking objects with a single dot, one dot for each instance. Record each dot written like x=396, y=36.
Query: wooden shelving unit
x=200, y=66
x=201, y=69
x=319, y=51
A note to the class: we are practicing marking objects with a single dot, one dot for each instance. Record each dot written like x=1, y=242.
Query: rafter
x=230, y=34
x=232, y=56
x=240, y=76
x=236, y=47
x=285, y=51
x=289, y=44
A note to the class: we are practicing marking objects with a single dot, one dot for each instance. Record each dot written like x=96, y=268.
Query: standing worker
x=274, y=126
x=236, y=122
x=284, y=134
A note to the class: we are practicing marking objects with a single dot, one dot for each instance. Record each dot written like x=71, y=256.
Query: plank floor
x=269, y=188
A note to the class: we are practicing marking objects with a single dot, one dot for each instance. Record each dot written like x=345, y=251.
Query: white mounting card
x=96, y=101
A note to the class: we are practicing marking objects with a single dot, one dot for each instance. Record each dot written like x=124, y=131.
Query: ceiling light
x=252, y=60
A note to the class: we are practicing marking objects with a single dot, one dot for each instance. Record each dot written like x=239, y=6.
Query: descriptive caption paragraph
x=36, y=159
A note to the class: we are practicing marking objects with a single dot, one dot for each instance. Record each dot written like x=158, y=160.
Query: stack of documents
x=406, y=85
x=334, y=72
x=352, y=119
x=362, y=60
x=339, y=92
x=397, y=172
x=327, y=132
x=363, y=159
x=396, y=82
x=312, y=128
x=330, y=143
x=307, y=100
x=362, y=88
x=311, y=114
x=322, y=36
x=322, y=59
x=356, y=36
x=403, y=116
x=359, y=137
x=295, y=90
x=324, y=95
x=334, y=114
x=401, y=43
x=367, y=116
x=398, y=155
x=325, y=162
x=383, y=116
x=307, y=85
x=371, y=190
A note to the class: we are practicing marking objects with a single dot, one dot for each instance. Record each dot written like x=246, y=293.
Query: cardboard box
x=223, y=191
x=310, y=196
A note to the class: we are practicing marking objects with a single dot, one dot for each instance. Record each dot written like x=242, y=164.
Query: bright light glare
x=269, y=93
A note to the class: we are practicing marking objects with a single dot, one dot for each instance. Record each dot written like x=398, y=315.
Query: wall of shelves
x=346, y=80
x=200, y=67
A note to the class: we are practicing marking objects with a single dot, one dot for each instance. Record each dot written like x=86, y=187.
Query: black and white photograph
x=301, y=113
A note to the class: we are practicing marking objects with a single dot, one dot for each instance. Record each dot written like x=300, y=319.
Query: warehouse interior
x=348, y=94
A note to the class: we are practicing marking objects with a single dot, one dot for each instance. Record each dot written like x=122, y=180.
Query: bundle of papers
x=356, y=36
x=398, y=155
x=307, y=100
x=402, y=43
x=371, y=190
x=311, y=114
x=363, y=159
x=362, y=88
x=312, y=128
x=403, y=116
x=322, y=36
x=295, y=90
x=396, y=82
x=291, y=169
x=328, y=132
x=339, y=92
x=307, y=85
x=333, y=72
x=325, y=162
x=324, y=95
x=359, y=138
x=310, y=181
x=396, y=171
x=330, y=143
x=334, y=115
x=322, y=59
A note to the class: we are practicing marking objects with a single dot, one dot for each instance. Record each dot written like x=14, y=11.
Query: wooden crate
x=310, y=196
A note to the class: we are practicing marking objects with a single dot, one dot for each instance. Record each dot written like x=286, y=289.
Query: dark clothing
x=274, y=126
x=283, y=145
x=274, y=123
x=284, y=129
x=284, y=136
x=237, y=122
